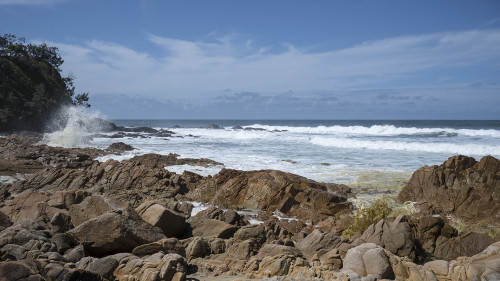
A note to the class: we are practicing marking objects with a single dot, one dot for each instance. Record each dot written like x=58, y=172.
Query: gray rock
x=198, y=248
x=377, y=264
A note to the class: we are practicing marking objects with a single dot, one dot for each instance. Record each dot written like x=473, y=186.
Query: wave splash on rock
x=72, y=127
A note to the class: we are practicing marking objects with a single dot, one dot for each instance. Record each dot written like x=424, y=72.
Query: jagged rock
x=274, y=266
x=41, y=205
x=318, y=243
x=270, y=190
x=133, y=181
x=483, y=266
x=198, y=248
x=10, y=167
x=120, y=147
x=271, y=250
x=168, y=245
x=467, y=245
x=4, y=221
x=461, y=186
x=227, y=216
x=395, y=236
x=203, y=226
x=63, y=242
x=256, y=232
x=171, y=223
x=217, y=245
x=91, y=207
x=61, y=222
x=103, y=266
x=22, y=271
x=23, y=232
x=439, y=267
x=113, y=232
x=332, y=259
x=74, y=255
x=157, y=267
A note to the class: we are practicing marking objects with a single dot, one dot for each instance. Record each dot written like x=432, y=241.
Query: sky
x=273, y=59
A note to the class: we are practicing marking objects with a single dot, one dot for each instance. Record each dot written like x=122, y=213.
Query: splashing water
x=77, y=131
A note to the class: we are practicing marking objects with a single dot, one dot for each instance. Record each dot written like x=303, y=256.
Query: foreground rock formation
x=131, y=220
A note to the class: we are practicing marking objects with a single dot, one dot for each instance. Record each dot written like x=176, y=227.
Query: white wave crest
x=79, y=127
x=441, y=147
x=382, y=130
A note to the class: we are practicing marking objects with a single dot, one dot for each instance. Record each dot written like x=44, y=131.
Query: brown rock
x=112, y=232
x=91, y=207
x=120, y=147
x=318, y=243
x=395, y=236
x=461, y=186
x=168, y=245
x=467, y=245
x=171, y=223
x=266, y=189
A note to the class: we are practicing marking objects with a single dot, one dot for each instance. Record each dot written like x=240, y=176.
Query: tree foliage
x=31, y=85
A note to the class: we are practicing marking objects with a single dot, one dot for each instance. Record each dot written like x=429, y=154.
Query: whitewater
x=375, y=158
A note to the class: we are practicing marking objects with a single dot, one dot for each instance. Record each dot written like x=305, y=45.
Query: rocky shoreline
x=66, y=216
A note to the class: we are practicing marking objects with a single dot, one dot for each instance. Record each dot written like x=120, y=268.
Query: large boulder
x=113, y=232
x=465, y=245
x=203, y=225
x=168, y=245
x=171, y=223
x=272, y=190
x=41, y=205
x=319, y=243
x=395, y=236
x=461, y=186
x=91, y=207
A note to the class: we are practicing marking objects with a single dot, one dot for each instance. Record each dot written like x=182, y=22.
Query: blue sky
x=273, y=59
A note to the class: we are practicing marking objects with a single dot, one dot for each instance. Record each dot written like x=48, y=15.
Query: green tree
x=31, y=85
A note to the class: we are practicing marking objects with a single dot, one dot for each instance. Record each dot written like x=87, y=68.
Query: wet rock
x=120, y=147
x=171, y=223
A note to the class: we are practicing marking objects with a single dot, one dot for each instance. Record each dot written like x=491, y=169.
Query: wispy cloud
x=203, y=69
x=29, y=2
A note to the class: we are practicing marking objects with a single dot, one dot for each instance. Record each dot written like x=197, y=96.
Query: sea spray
x=72, y=127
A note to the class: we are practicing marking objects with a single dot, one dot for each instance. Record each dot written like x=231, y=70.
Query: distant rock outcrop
x=461, y=187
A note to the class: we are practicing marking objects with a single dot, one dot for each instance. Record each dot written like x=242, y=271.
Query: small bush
x=366, y=216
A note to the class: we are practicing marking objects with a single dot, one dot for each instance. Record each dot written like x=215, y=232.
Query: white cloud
x=206, y=68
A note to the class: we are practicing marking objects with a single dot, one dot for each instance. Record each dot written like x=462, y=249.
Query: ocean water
x=375, y=158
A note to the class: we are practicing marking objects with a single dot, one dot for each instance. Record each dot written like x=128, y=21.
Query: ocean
x=374, y=157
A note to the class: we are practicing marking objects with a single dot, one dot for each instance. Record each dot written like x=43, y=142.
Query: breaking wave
x=72, y=127
x=384, y=130
x=441, y=147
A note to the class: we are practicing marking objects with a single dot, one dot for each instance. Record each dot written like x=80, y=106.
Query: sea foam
x=78, y=127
